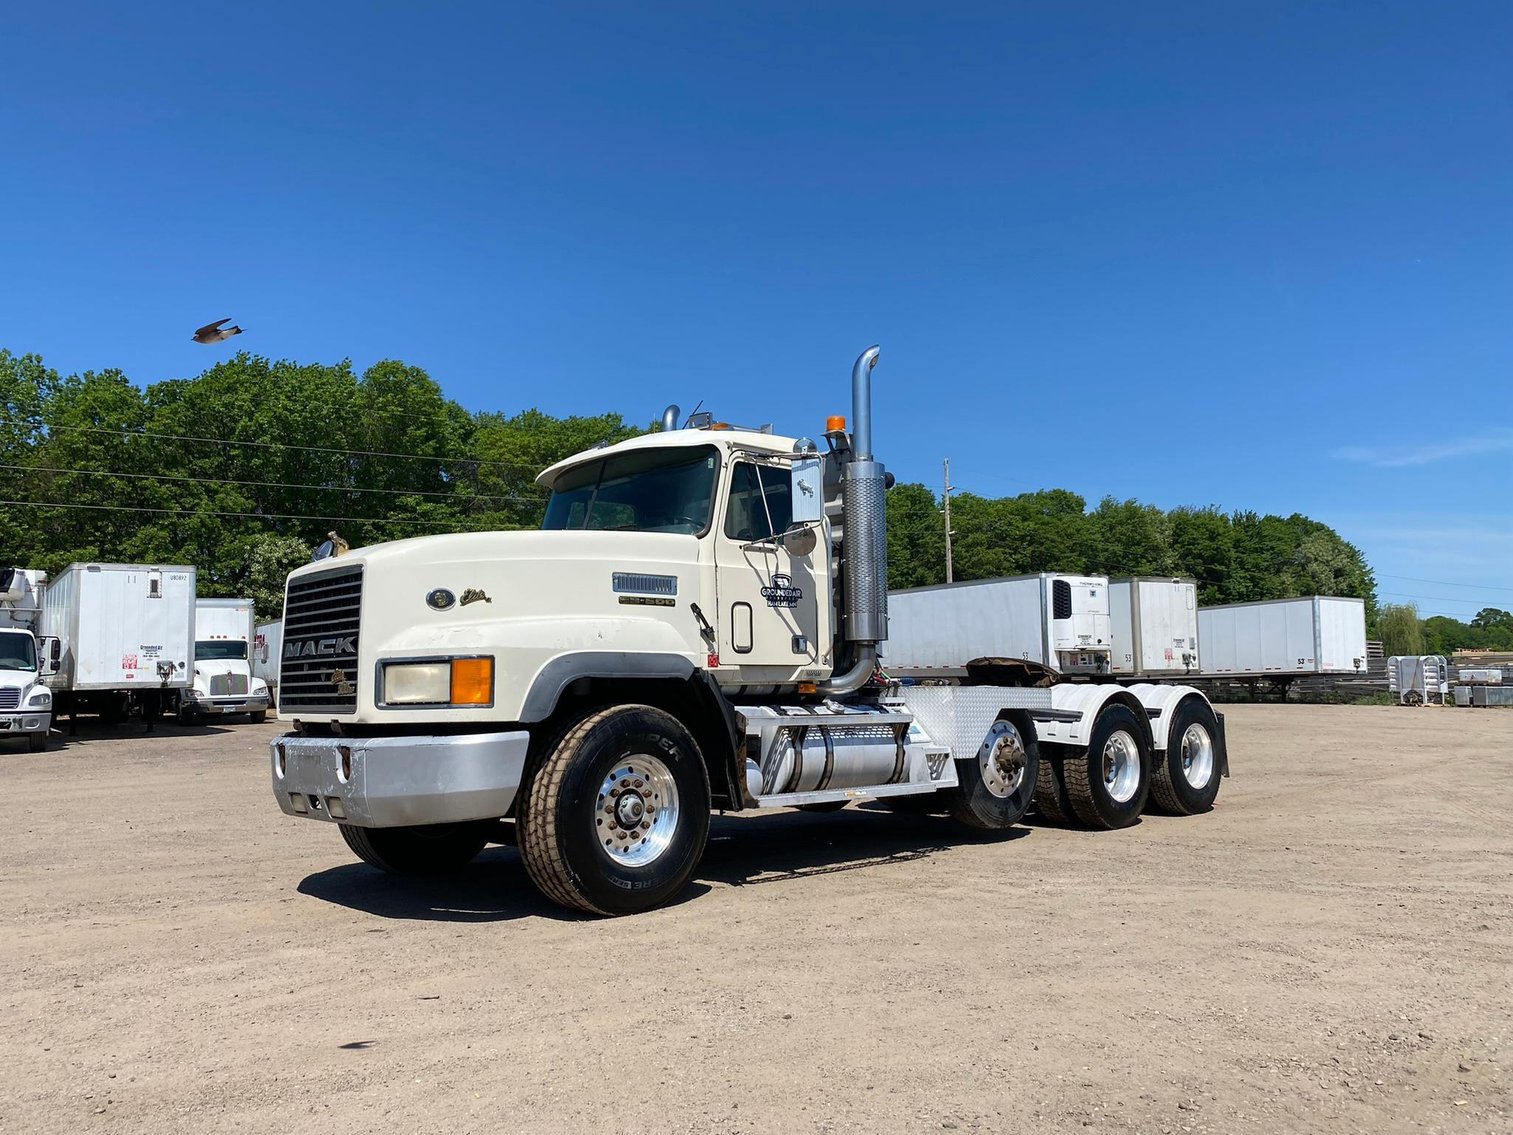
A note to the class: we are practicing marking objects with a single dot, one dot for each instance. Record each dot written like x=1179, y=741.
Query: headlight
x=39, y=699
x=457, y=681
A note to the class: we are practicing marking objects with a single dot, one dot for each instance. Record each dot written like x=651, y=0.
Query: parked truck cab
x=26, y=704
x=698, y=625
x=223, y=680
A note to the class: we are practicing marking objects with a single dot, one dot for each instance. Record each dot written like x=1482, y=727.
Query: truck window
x=17, y=652
x=657, y=490
x=761, y=505
x=219, y=649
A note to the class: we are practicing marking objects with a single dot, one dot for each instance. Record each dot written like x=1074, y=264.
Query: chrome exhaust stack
x=864, y=622
x=670, y=418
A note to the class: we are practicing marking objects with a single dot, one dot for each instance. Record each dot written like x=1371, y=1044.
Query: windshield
x=651, y=490
x=221, y=648
x=17, y=651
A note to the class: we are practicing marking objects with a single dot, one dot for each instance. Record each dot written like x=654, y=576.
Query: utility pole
x=947, y=497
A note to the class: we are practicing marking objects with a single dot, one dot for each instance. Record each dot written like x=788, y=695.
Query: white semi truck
x=25, y=701
x=223, y=680
x=122, y=638
x=698, y=626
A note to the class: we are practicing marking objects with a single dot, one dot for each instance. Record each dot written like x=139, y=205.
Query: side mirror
x=808, y=490
x=52, y=652
x=799, y=540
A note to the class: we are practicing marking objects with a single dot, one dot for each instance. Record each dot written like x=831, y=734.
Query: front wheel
x=617, y=814
x=1186, y=777
x=428, y=849
x=994, y=788
x=36, y=742
x=257, y=717
x=1106, y=783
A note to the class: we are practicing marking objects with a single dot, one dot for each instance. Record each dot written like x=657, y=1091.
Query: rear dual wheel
x=1186, y=779
x=1106, y=784
x=994, y=788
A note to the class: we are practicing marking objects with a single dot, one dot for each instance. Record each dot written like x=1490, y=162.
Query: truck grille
x=10, y=697
x=226, y=685
x=318, y=672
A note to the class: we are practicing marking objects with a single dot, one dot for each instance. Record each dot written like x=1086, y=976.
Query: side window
x=760, y=504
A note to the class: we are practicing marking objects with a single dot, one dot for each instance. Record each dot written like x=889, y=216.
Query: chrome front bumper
x=240, y=704
x=25, y=721
x=386, y=782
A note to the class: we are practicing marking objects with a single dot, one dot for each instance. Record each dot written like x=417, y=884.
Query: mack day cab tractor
x=698, y=625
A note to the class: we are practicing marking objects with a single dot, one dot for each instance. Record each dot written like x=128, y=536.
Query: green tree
x=1127, y=538
x=1399, y=628
x=916, y=537
x=270, y=560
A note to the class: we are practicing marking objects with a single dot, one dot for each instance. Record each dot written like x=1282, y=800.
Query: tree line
x=241, y=470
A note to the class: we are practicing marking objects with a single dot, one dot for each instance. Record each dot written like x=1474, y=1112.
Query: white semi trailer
x=1283, y=639
x=123, y=638
x=1155, y=627
x=223, y=680
x=698, y=626
x=25, y=701
x=1051, y=619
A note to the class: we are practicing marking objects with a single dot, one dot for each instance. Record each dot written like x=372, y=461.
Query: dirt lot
x=1330, y=950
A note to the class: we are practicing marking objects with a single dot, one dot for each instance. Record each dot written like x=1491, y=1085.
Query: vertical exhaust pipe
x=670, y=418
x=865, y=542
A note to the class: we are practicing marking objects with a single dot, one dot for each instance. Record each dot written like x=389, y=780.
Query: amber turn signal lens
x=472, y=681
x=835, y=422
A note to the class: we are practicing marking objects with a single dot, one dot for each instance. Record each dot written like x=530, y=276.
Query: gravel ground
x=1330, y=950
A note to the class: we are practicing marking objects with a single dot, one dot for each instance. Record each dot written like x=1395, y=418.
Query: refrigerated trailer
x=267, y=645
x=124, y=637
x=698, y=626
x=1051, y=619
x=1155, y=627
x=1283, y=639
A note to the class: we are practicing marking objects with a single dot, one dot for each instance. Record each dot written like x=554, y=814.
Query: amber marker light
x=472, y=681
x=835, y=423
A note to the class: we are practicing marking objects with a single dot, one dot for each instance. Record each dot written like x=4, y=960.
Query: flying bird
x=215, y=333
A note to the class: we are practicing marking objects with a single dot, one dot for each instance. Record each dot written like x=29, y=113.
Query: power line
x=1437, y=599
x=190, y=513
x=265, y=484
x=137, y=431
x=1447, y=583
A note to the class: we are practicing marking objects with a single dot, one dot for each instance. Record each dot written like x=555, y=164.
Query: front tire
x=617, y=815
x=258, y=716
x=36, y=742
x=995, y=787
x=1186, y=779
x=429, y=849
x=1107, y=784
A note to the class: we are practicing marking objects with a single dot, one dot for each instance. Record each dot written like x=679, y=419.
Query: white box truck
x=267, y=646
x=1051, y=619
x=223, y=680
x=1281, y=638
x=25, y=701
x=697, y=626
x=1155, y=627
x=124, y=638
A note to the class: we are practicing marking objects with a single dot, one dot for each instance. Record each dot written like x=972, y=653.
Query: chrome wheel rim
x=637, y=810
x=1197, y=756
x=1121, y=767
x=1001, y=760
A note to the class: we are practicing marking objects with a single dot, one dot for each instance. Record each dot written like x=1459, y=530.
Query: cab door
x=769, y=597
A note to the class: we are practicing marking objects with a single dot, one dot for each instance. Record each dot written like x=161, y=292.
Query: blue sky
x=1258, y=256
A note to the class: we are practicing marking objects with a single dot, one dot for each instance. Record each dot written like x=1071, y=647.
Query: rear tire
x=616, y=816
x=996, y=785
x=1186, y=779
x=1050, y=787
x=826, y=806
x=36, y=742
x=426, y=850
x=1107, y=783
